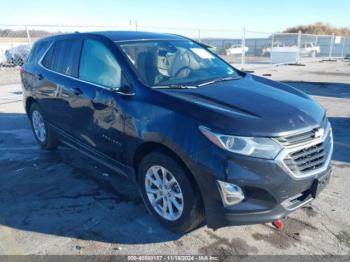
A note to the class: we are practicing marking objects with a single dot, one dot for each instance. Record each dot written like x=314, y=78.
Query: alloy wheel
x=164, y=193
x=39, y=126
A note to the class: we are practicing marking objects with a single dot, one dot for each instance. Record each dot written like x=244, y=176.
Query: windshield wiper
x=219, y=80
x=174, y=86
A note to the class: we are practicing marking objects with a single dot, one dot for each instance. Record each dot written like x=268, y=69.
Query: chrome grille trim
x=298, y=138
x=301, y=136
x=307, y=159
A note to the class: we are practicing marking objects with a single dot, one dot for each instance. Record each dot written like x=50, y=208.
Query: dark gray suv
x=203, y=140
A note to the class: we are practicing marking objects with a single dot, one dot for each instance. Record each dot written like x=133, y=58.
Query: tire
x=41, y=130
x=192, y=210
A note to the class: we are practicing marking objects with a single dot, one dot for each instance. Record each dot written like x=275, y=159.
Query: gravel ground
x=9, y=75
x=60, y=202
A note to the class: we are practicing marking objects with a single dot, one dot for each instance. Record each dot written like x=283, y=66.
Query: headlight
x=261, y=147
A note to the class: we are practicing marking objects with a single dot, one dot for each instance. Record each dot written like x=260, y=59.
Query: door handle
x=77, y=91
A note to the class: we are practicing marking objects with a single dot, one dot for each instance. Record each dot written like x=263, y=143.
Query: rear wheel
x=42, y=132
x=168, y=193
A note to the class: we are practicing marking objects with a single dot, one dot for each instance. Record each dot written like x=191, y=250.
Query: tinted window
x=37, y=51
x=47, y=60
x=98, y=65
x=63, y=56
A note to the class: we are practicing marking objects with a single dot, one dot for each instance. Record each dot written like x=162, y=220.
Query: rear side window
x=38, y=51
x=98, y=65
x=47, y=60
x=63, y=57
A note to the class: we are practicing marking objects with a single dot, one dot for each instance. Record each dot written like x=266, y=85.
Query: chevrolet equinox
x=203, y=140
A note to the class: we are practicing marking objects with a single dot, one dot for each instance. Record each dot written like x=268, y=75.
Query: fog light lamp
x=231, y=194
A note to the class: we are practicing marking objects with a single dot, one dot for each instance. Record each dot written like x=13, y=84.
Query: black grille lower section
x=306, y=159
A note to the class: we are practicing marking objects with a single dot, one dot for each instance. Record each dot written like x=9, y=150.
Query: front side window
x=175, y=62
x=98, y=65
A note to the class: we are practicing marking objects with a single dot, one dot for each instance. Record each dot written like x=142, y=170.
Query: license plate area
x=319, y=184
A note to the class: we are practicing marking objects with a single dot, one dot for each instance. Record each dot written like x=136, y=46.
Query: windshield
x=175, y=62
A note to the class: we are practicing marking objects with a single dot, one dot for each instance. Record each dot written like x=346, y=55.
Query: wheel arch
x=29, y=101
x=148, y=147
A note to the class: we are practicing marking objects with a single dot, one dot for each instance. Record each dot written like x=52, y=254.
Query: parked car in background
x=203, y=140
x=266, y=51
x=236, y=50
x=17, y=55
x=309, y=49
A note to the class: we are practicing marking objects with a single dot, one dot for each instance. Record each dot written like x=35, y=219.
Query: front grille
x=306, y=159
x=303, y=137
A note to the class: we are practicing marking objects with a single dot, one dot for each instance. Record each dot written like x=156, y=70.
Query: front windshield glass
x=175, y=62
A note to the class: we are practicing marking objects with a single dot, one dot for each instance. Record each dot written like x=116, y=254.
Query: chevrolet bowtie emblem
x=319, y=133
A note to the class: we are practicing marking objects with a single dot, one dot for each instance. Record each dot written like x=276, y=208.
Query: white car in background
x=266, y=51
x=236, y=50
x=309, y=49
x=306, y=49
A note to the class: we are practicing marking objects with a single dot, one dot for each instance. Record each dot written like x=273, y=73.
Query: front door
x=97, y=118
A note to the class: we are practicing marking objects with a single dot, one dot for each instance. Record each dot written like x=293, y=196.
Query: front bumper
x=271, y=191
x=256, y=211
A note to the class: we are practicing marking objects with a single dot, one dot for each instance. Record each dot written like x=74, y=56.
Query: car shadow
x=337, y=90
x=64, y=193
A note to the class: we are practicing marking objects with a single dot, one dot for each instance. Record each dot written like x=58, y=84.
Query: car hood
x=251, y=106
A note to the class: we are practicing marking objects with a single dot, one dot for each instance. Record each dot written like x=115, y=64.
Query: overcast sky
x=268, y=16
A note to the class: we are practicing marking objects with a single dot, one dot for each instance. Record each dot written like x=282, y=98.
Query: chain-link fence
x=259, y=49
x=245, y=49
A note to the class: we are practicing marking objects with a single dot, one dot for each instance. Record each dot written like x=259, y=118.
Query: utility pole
x=299, y=46
x=331, y=47
x=272, y=43
x=243, y=49
x=28, y=35
x=342, y=50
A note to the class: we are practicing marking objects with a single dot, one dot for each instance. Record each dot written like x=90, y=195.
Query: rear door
x=61, y=85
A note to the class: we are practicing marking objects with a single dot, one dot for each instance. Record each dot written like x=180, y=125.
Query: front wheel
x=42, y=132
x=168, y=193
